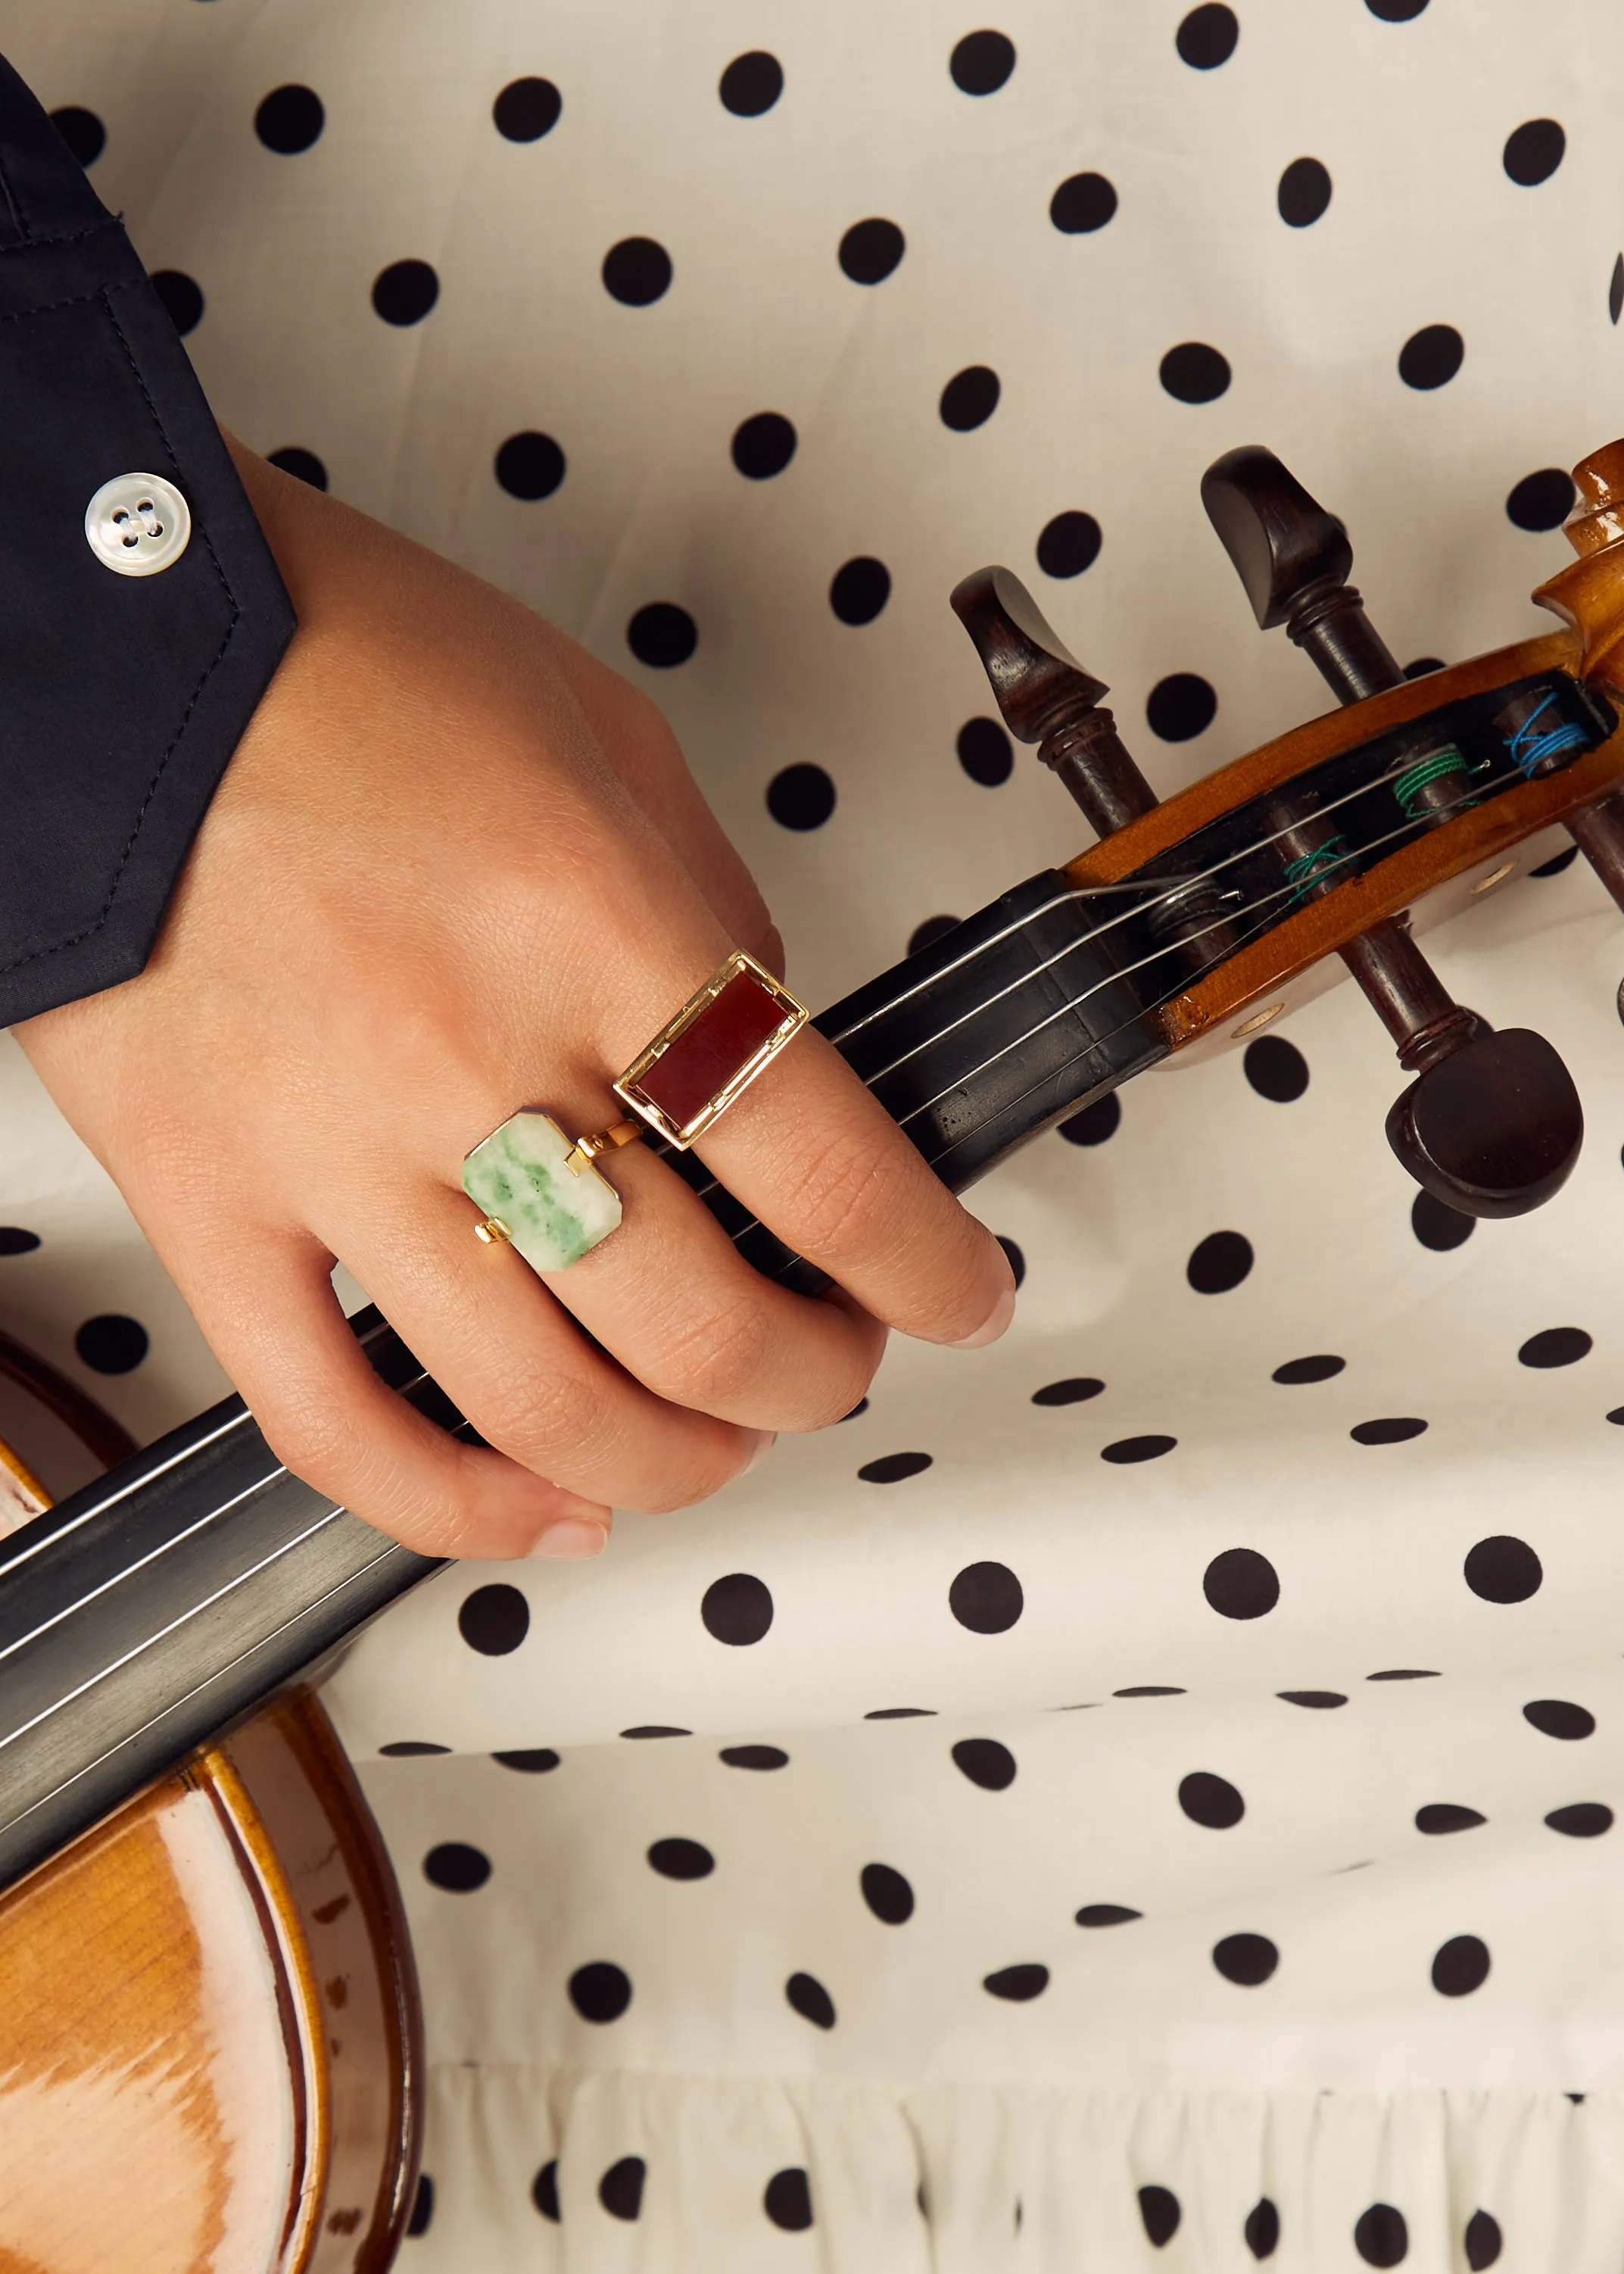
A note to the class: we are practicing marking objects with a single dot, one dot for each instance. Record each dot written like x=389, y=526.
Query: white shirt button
x=137, y=525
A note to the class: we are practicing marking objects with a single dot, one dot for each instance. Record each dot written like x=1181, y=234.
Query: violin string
x=1259, y=909
x=9, y=1561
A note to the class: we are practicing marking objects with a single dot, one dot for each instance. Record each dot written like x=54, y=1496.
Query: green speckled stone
x=518, y=1174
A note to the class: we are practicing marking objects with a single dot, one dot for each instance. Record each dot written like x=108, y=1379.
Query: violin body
x=210, y=2045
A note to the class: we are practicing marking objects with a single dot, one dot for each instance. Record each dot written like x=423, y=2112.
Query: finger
x=818, y=1160
x=277, y=1329
x=670, y=1295
x=509, y=1358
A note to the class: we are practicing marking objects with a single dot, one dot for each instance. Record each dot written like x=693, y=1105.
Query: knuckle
x=535, y=1414
x=717, y=1361
x=317, y=1441
x=840, y=1205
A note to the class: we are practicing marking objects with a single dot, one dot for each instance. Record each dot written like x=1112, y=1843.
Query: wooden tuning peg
x=1491, y=1125
x=1046, y=697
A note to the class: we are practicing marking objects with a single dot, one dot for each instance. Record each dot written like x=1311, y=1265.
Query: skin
x=457, y=866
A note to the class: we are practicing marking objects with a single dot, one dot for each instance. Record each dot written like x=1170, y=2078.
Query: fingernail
x=765, y=1440
x=992, y=1326
x=573, y=1538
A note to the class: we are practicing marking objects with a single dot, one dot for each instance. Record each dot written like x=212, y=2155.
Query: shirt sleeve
x=122, y=694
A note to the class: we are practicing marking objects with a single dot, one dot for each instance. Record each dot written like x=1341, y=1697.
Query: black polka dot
x=526, y=109
x=1555, y=1346
x=405, y=291
x=887, y=1893
x=1222, y=1262
x=1460, y=1966
x=290, y=119
x=754, y=1757
x=763, y=445
x=862, y=1407
x=15, y=1241
x=1303, y=193
x=456, y=1867
x=655, y=1729
x=1075, y=1390
x=1317, y=1701
x=1276, y=1069
x=901, y=1714
x=1016, y=1261
x=788, y=2200
x=662, y=636
x=1159, y=2211
x=1404, y=1674
x=801, y=797
x=1542, y=501
x=859, y=590
x=1150, y=1690
x=1558, y=864
x=1582, y=1820
x=1503, y=1570
x=1261, y=2232
x=405, y=1749
x=544, y=2191
x=1180, y=707
x=495, y=1619
x=927, y=934
x=1095, y=1123
x=680, y=1859
x=1194, y=373
x=1442, y=1816
x=181, y=298
x=1207, y=35
x=636, y=271
x=1439, y=1226
x=530, y=465
x=1240, y=1584
x=751, y=83
x=1559, y=1717
x=1482, y=2241
x=981, y=63
x=969, y=398
x=620, y=2189
x=870, y=251
x=1092, y=1915
x=534, y=1760
x=986, y=1598
x=304, y=465
x=1431, y=356
x=893, y=1468
x=808, y=1997
x=600, y=1991
x=1210, y=1800
x=82, y=131
x=985, y=1762
x=736, y=1609
x=1534, y=151
x=1388, y=1429
x=1395, y=12
x=1424, y=666
x=422, y=2206
x=1068, y=543
x=1379, y=2234
x=111, y=1344
x=1127, y=1450
x=985, y=752
x=1245, y=1959
x=1083, y=203
x=1615, y=289
x=1016, y=1984
x=1296, y=1371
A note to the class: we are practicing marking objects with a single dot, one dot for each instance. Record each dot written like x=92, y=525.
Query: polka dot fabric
x=1144, y=1796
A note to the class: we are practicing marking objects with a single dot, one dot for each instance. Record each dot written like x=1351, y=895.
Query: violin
x=171, y=1800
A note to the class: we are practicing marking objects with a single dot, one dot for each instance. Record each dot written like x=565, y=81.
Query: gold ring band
x=585, y=1150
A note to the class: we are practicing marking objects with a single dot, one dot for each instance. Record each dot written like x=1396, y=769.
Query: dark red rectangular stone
x=726, y=1035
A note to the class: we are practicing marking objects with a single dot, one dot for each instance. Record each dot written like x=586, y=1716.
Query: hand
x=457, y=867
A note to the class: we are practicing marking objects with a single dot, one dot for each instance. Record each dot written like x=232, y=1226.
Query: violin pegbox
x=1493, y=1123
